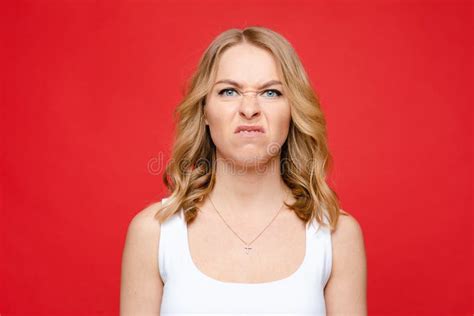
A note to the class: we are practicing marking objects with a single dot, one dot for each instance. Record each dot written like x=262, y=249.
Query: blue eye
x=275, y=93
x=223, y=91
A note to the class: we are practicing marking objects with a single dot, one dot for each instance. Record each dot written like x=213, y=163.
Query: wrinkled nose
x=249, y=106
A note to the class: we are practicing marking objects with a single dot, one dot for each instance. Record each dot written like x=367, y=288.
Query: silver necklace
x=247, y=247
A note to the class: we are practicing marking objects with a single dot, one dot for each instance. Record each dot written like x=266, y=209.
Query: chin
x=250, y=160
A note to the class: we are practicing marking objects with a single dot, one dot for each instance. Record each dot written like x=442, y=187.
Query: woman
x=250, y=225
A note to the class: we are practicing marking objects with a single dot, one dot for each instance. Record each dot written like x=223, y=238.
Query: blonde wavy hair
x=305, y=159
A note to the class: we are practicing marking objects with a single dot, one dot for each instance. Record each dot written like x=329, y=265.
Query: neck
x=245, y=191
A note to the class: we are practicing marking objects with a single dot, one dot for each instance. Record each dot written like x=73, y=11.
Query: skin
x=248, y=190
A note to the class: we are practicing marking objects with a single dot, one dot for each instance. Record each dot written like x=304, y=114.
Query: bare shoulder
x=143, y=233
x=345, y=292
x=144, y=228
x=141, y=285
x=146, y=216
x=347, y=229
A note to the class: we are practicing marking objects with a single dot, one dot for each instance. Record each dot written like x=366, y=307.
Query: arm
x=141, y=287
x=345, y=292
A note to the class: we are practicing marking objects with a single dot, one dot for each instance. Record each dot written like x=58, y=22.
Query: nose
x=249, y=106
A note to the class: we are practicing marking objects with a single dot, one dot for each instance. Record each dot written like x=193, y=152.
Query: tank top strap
x=171, y=252
x=320, y=245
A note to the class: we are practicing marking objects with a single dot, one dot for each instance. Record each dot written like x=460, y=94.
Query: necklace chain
x=247, y=245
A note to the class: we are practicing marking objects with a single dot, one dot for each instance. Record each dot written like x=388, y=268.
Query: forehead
x=247, y=64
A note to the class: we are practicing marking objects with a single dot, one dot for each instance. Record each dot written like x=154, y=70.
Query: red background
x=87, y=97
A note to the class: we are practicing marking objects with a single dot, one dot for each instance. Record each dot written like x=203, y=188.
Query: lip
x=257, y=129
x=250, y=134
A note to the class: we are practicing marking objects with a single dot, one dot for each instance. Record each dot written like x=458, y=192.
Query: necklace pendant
x=247, y=249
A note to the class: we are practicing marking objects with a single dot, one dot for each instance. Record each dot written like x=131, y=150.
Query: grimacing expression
x=246, y=68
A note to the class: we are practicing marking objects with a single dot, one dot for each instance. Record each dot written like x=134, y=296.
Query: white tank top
x=189, y=291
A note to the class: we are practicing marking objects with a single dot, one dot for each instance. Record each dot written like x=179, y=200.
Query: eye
x=223, y=92
x=274, y=93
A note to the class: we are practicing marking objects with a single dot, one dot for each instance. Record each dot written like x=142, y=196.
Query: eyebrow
x=234, y=83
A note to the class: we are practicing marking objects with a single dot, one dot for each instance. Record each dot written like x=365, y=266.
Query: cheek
x=284, y=128
x=281, y=119
x=218, y=117
x=219, y=121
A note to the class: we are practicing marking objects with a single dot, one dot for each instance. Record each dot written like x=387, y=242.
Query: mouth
x=249, y=133
x=249, y=129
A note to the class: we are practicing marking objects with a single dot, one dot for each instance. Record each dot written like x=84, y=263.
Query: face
x=250, y=68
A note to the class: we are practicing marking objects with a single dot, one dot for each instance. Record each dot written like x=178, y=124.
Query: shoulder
x=143, y=234
x=346, y=289
x=347, y=229
x=147, y=213
x=141, y=284
x=348, y=239
x=144, y=222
